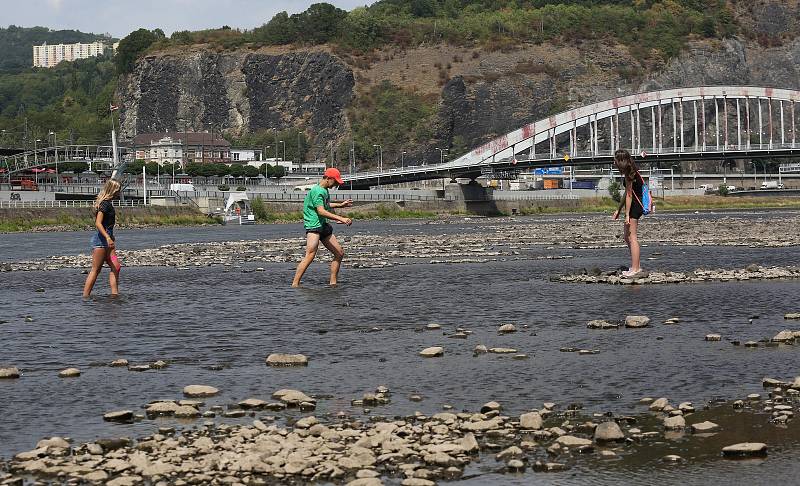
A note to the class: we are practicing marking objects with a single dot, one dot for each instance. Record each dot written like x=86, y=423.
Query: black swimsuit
x=636, y=199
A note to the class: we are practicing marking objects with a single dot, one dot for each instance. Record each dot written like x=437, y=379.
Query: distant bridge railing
x=64, y=204
x=58, y=154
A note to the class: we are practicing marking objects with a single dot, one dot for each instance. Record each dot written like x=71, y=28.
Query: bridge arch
x=740, y=113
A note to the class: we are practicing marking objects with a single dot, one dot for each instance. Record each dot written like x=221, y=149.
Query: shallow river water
x=368, y=332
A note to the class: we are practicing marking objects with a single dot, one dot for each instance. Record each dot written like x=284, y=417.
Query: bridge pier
x=473, y=198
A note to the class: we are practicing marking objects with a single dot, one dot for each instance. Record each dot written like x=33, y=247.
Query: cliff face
x=238, y=92
x=487, y=94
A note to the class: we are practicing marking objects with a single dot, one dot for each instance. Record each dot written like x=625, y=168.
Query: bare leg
x=312, y=243
x=332, y=244
x=626, y=231
x=98, y=257
x=634, y=245
x=113, y=277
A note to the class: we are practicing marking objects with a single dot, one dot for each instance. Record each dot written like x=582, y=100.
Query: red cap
x=334, y=174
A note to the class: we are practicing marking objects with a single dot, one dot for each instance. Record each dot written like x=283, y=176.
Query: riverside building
x=48, y=56
x=182, y=148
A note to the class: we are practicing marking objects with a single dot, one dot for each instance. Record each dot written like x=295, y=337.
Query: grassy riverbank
x=81, y=219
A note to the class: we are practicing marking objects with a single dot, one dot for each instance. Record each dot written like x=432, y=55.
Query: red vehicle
x=24, y=185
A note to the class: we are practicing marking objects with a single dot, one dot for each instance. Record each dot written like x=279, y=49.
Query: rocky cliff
x=480, y=94
x=237, y=92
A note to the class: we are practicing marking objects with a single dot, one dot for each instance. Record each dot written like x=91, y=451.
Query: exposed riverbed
x=216, y=322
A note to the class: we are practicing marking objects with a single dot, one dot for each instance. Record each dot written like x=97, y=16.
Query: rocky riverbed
x=486, y=241
x=751, y=272
x=414, y=450
x=208, y=369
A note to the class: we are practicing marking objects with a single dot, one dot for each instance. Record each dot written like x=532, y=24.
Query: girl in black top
x=102, y=242
x=633, y=207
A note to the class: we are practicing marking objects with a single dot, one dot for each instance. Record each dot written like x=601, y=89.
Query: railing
x=63, y=204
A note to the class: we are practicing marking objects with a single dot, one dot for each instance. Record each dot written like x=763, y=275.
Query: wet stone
x=199, y=391
x=119, y=416
x=745, y=449
x=9, y=373
x=69, y=373
x=277, y=359
x=432, y=352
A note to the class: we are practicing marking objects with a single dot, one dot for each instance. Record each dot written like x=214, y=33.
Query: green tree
x=131, y=46
x=423, y=8
x=280, y=30
x=320, y=23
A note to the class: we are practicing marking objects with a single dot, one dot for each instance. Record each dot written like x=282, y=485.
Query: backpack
x=647, y=200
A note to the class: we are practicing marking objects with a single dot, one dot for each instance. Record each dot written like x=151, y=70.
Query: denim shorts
x=99, y=241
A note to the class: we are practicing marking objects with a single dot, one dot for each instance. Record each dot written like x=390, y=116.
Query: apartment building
x=48, y=56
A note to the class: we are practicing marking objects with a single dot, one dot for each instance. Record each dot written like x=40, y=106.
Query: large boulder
x=531, y=421
x=607, y=432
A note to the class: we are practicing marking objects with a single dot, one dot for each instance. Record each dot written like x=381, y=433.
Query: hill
x=16, y=44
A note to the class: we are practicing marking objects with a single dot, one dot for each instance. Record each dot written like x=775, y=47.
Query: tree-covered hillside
x=16, y=44
x=652, y=27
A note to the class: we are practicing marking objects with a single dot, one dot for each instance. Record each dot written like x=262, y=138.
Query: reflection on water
x=217, y=328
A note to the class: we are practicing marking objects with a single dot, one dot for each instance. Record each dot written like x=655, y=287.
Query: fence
x=62, y=204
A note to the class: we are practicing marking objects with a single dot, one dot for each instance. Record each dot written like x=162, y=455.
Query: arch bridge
x=710, y=122
x=52, y=156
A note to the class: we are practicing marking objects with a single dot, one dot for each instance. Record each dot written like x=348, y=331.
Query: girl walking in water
x=632, y=203
x=102, y=242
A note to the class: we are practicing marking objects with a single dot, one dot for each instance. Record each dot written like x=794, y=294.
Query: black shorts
x=636, y=210
x=323, y=231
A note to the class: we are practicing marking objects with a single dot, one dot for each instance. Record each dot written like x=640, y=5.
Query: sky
x=120, y=17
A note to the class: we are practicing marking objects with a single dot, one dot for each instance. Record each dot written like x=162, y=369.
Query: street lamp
x=380, y=161
x=672, y=175
x=55, y=145
x=35, y=153
x=403, y=160
x=441, y=154
x=266, y=174
x=755, y=171
x=284, y=149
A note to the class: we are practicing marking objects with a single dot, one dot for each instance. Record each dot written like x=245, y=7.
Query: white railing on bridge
x=62, y=204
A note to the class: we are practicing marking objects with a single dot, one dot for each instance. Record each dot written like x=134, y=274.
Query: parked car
x=731, y=188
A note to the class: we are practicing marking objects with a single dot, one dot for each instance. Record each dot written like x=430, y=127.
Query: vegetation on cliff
x=648, y=27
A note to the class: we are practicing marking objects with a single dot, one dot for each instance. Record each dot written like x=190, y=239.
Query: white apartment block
x=50, y=55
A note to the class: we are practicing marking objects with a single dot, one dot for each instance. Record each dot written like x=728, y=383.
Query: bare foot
x=295, y=285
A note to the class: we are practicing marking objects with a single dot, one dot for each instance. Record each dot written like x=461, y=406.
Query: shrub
x=224, y=187
x=241, y=188
x=259, y=209
x=613, y=191
x=723, y=190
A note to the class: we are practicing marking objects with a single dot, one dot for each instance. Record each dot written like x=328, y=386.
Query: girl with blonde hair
x=102, y=242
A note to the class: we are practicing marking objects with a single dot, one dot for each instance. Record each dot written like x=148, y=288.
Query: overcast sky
x=120, y=17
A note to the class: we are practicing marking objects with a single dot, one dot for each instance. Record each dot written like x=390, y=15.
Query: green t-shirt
x=317, y=196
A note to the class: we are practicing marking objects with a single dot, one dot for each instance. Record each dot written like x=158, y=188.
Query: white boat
x=238, y=210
